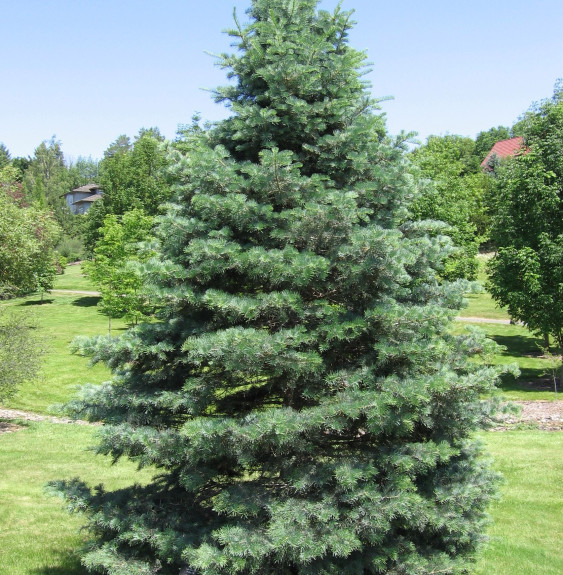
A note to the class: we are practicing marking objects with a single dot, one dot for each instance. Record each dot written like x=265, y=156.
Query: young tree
x=83, y=171
x=526, y=274
x=5, y=157
x=47, y=179
x=301, y=396
x=111, y=271
x=21, y=165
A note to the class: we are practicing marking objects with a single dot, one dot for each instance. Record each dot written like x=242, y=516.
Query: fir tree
x=302, y=397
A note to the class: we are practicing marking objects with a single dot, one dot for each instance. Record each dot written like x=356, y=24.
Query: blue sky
x=90, y=70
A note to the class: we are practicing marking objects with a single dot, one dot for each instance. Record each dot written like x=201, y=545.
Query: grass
x=37, y=535
x=74, y=279
x=523, y=348
x=61, y=318
x=526, y=533
x=482, y=305
x=482, y=260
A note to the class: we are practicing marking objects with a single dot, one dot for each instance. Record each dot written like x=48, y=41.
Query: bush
x=21, y=350
x=72, y=249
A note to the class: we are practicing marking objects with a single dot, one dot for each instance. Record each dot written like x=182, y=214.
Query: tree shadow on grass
x=86, y=301
x=529, y=380
x=526, y=349
x=69, y=564
x=518, y=345
x=34, y=302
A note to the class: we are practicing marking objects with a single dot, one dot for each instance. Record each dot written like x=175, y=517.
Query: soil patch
x=540, y=414
x=7, y=427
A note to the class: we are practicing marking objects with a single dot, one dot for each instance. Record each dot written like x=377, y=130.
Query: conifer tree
x=301, y=397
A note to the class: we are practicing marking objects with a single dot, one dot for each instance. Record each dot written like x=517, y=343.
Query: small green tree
x=83, y=171
x=46, y=180
x=111, y=270
x=5, y=157
x=301, y=395
x=21, y=351
x=526, y=274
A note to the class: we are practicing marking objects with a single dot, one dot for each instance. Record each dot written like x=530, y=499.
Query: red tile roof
x=503, y=149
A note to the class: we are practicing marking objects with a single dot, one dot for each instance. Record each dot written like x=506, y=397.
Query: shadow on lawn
x=69, y=564
x=526, y=349
x=518, y=345
x=86, y=301
x=35, y=302
x=529, y=380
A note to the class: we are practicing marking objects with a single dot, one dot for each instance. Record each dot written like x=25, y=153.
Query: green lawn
x=482, y=260
x=526, y=533
x=37, y=535
x=74, y=279
x=522, y=348
x=482, y=305
x=61, y=318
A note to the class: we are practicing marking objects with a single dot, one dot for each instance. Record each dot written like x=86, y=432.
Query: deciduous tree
x=131, y=177
x=111, y=269
x=47, y=179
x=526, y=274
x=5, y=156
x=487, y=139
x=455, y=194
x=27, y=239
x=83, y=171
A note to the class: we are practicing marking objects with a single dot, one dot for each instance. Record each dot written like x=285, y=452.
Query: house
x=501, y=150
x=80, y=199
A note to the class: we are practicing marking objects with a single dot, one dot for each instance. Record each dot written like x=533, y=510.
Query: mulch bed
x=540, y=414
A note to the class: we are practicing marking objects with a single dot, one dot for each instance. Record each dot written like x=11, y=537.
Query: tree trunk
x=546, y=341
x=560, y=342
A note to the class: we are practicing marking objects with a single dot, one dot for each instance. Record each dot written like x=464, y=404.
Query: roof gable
x=91, y=198
x=87, y=188
x=504, y=149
